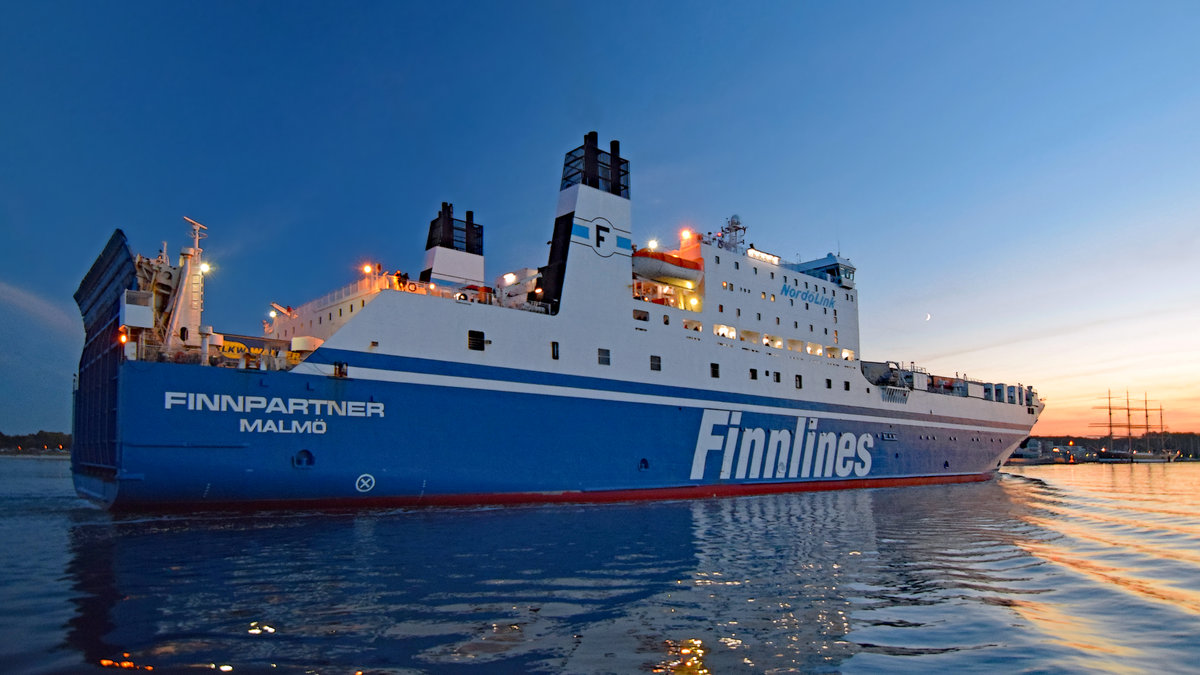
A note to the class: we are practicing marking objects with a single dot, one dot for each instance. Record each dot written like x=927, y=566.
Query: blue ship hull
x=218, y=437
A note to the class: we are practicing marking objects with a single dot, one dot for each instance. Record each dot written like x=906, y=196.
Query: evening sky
x=1016, y=182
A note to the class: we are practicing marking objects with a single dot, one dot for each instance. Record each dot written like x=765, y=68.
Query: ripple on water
x=1063, y=569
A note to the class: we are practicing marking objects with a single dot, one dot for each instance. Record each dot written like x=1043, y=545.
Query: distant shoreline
x=46, y=454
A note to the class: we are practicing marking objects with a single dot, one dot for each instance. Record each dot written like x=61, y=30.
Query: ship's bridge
x=831, y=268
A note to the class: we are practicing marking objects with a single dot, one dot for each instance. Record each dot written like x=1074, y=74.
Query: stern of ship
x=95, y=456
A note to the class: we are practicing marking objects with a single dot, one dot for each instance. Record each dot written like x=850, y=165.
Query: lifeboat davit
x=667, y=268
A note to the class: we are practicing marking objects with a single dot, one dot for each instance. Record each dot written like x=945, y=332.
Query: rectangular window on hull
x=602, y=357
x=475, y=340
x=714, y=369
x=554, y=350
x=799, y=382
x=655, y=362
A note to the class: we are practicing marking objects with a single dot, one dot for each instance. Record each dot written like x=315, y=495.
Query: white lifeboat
x=667, y=268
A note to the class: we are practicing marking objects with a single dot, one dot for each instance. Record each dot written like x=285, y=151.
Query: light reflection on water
x=1050, y=568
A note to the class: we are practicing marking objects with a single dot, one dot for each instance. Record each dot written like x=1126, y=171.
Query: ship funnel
x=590, y=166
x=454, y=249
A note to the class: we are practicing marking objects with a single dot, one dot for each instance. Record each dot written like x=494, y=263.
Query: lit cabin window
x=764, y=295
x=655, y=362
x=475, y=340
x=603, y=357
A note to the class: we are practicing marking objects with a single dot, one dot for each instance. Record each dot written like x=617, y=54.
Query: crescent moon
x=928, y=316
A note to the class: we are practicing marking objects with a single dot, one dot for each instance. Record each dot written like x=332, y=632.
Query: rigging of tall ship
x=614, y=371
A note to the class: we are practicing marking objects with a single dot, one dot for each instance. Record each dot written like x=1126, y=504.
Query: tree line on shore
x=41, y=442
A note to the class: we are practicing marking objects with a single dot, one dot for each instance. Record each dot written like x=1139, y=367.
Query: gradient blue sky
x=1026, y=173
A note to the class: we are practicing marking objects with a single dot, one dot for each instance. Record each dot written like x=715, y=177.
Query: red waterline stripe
x=570, y=497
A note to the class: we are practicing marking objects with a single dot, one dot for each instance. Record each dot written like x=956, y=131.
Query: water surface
x=1046, y=569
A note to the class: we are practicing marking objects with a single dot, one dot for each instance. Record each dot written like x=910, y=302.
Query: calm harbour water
x=1046, y=569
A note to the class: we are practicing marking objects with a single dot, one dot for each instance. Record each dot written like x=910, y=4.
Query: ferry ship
x=617, y=370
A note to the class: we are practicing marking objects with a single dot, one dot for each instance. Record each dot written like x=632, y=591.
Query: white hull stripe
x=624, y=397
